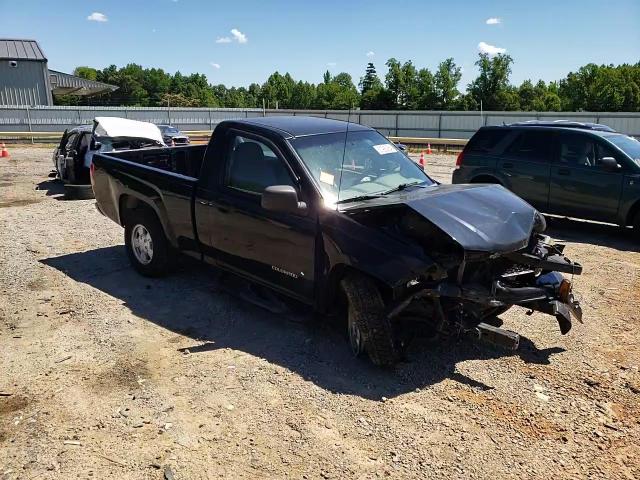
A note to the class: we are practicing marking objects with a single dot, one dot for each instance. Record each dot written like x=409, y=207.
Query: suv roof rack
x=562, y=123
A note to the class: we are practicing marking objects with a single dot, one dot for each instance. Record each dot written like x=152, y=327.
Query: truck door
x=526, y=165
x=273, y=248
x=580, y=185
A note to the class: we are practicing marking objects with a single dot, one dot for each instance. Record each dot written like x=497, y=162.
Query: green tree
x=426, y=90
x=492, y=87
x=86, y=72
x=446, y=82
x=370, y=81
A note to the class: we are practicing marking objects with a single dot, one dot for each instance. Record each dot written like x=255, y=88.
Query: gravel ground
x=105, y=374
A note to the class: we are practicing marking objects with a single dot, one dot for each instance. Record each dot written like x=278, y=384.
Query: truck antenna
x=344, y=151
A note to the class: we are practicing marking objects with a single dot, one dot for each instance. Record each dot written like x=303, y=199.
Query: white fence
x=391, y=123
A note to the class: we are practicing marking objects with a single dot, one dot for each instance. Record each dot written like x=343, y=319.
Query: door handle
x=507, y=165
x=206, y=204
x=563, y=171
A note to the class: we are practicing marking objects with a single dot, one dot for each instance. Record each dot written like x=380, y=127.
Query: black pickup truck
x=334, y=215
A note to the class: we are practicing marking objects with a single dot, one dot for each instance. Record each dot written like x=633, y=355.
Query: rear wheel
x=369, y=328
x=146, y=243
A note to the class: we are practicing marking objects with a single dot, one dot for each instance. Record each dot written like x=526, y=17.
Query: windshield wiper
x=370, y=196
x=359, y=198
x=401, y=187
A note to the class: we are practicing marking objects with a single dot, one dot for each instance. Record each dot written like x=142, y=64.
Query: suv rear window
x=532, y=145
x=485, y=140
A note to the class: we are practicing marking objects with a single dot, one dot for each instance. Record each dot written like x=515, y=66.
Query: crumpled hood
x=485, y=218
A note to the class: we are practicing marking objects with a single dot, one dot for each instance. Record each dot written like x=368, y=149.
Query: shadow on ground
x=53, y=187
x=582, y=231
x=193, y=302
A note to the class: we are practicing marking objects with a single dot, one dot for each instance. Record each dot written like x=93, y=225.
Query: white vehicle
x=73, y=156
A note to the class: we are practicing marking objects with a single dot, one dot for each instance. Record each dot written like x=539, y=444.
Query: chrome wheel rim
x=142, y=244
x=355, y=338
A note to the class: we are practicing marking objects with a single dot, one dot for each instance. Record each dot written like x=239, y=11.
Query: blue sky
x=243, y=41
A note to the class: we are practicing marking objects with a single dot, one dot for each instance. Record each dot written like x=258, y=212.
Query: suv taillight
x=92, y=169
x=459, y=159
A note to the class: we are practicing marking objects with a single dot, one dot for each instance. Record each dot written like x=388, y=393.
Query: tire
x=78, y=192
x=146, y=244
x=367, y=319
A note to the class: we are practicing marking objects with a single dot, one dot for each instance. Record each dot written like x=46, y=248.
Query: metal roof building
x=25, y=78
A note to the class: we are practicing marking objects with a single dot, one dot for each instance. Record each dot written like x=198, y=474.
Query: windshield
x=372, y=165
x=628, y=145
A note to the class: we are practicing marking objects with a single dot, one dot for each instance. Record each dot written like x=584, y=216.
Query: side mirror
x=282, y=198
x=95, y=145
x=610, y=164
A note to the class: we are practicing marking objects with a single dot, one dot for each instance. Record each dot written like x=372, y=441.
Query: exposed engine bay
x=465, y=288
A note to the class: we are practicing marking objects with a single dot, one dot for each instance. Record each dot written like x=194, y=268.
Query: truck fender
x=131, y=200
x=389, y=267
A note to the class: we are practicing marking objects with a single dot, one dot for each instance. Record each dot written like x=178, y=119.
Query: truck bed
x=185, y=160
x=165, y=176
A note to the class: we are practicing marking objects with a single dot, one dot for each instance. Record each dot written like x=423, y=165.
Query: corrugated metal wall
x=392, y=123
x=25, y=84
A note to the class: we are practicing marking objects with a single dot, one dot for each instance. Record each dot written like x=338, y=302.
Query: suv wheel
x=369, y=328
x=146, y=243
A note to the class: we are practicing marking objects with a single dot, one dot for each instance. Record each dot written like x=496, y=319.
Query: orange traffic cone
x=429, y=151
x=421, y=162
x=5, y=152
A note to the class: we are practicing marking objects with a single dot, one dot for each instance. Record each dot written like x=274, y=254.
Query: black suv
x=571, y=169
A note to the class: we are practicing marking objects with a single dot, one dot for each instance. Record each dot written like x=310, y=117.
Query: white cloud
x=239, y=36
x=331, y=64
x=371, y=53
x=223, y=40
x=490, y=49
x=97, y=17
x=493, y=21
x=215, y=65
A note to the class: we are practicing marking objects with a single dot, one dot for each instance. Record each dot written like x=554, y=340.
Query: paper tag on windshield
x=385, y=148
x=326, y=178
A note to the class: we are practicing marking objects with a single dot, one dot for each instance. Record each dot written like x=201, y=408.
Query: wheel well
x=486, y=179
x=128, y=204
x=335, y=296
x=633, y=211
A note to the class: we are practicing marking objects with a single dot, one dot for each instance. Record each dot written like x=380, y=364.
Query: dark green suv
x=575, y=170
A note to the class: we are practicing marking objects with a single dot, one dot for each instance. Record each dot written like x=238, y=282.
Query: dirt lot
x=105, y=374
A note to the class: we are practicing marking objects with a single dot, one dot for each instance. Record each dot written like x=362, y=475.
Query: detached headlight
x=539, y=223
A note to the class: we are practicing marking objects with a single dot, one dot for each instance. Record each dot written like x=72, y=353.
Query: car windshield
x=166, y=129
x=372, y=165
x=628, y=145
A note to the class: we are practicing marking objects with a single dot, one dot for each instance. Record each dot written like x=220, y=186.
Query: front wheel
x=369, y=328
x=146, y=243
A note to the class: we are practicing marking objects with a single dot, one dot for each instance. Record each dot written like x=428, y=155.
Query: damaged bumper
x=533, y=280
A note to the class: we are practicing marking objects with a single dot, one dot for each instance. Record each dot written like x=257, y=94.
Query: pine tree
x=370, y=80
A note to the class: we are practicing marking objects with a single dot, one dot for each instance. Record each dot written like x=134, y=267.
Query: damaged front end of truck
x=488, y=253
